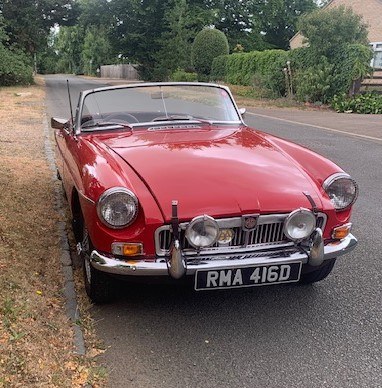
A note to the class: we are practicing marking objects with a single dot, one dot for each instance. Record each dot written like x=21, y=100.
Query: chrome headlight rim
x=105, y=195
x=290, y=218
x=332, y=179
x=197, y=220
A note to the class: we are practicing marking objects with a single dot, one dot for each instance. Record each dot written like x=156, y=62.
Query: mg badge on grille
x=249, y=222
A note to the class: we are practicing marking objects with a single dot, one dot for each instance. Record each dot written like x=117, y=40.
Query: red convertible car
x=165, y=180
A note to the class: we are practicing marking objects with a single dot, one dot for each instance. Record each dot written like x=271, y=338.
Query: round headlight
x=117, y=207
x=202, y=232
x=300, y=224
x=342, y=190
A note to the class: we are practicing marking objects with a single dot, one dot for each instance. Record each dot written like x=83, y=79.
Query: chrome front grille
x=268, y=234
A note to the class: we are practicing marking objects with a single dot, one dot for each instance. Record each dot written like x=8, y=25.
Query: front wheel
x=98, y=285
x=319, y=274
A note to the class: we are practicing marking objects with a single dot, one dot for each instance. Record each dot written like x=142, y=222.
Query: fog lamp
x=299, y=225
x=127, y=249
x=202, y=232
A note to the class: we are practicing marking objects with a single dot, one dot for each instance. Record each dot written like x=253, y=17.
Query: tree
x=3, y=34
x=278, y=19
x=15, y=66
x=175, y=42
x=328, y=30
x=183, y=20
x=208, y=44
x=96, y=13
x=69, y=46
x=96, y=50
x=28, y=23
x=236, y=19
x=137, y=30
x=337, y=57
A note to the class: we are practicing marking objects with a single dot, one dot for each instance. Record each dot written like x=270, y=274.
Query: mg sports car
x=166, y=181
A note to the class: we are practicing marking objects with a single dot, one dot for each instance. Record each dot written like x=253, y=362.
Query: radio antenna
x=70, y=103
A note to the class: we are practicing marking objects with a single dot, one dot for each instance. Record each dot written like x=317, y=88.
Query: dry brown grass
x=36, y=339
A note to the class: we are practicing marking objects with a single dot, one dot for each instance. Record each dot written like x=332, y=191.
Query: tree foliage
x=239, y=23
x=278, y=19
x=327, y=30
x=156, y=34
x=69, y=46
x=208, y=44
x=15, y=67
x=338, y=55
x=181, y=23
x=96, y=50
x=28, y=22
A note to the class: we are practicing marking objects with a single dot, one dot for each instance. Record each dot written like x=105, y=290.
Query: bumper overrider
x=177, y=265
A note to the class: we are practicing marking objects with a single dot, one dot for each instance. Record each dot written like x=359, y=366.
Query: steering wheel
x=124, y=117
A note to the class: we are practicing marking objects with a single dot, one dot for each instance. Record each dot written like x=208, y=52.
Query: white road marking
x=317, y=126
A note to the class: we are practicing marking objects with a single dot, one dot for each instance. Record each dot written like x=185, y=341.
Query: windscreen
x=143, y=104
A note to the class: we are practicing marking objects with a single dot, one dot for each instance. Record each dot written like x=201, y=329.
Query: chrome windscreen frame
x=85, y=93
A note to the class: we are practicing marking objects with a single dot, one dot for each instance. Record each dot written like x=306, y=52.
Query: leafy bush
x=319, y=78
x=302, y=58
x=183, y=76
x=351, y=63
x=208, y=44
x=314, y=83
x=263, y=69
x=337, y=58
x=368, y=103
x=15, y=68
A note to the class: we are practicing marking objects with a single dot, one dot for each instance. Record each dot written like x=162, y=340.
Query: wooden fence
x=128, y=72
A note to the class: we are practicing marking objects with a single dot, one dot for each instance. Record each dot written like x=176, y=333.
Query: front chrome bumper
x=159, y=267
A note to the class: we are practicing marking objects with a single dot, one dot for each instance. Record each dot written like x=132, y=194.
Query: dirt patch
x=36, y=338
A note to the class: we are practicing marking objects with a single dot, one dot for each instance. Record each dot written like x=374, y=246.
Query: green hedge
x=260, y=68
x=14, y=68
x=313, y=78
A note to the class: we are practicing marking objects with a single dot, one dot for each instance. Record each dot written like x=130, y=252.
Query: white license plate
x=258, y=275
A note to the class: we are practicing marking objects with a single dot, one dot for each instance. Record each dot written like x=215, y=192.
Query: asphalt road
x=325, y=335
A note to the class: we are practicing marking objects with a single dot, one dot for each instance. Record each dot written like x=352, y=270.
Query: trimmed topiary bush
x=208, y=44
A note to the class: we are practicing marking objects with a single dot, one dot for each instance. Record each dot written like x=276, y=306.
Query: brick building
x=371, y=11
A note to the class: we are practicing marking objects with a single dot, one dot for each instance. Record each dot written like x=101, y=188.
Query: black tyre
x=98, y=285
x=319, y=274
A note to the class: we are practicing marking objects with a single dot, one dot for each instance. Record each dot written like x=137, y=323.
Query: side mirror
x=242, y=112
x=56, y=123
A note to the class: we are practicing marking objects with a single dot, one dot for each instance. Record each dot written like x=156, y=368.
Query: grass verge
x=36, y=339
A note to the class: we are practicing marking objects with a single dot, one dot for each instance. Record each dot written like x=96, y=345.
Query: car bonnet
x=220, y=173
